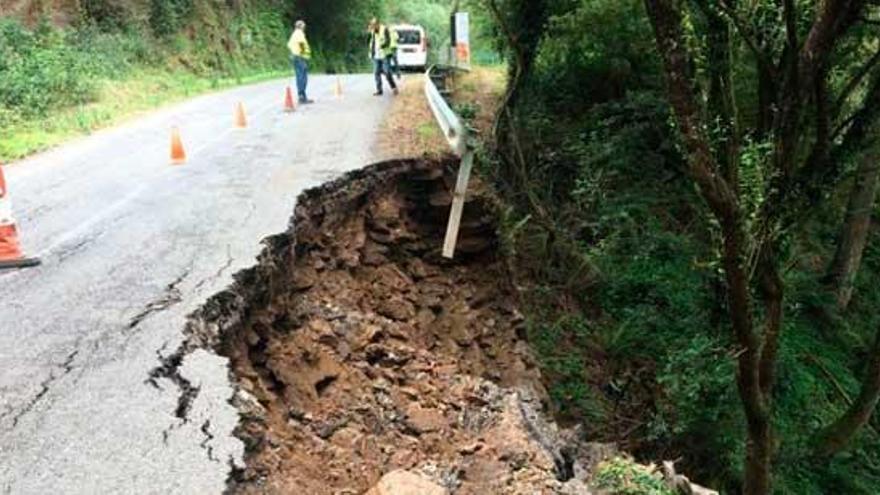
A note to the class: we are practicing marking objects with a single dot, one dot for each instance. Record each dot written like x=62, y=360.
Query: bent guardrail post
x=458, y=199
x=458, y=137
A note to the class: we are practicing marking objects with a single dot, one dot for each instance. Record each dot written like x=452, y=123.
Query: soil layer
x=357, y=350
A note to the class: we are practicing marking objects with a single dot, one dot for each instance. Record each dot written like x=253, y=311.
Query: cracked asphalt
x=131, y=245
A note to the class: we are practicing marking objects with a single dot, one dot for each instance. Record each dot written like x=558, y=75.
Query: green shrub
x=642, y=353
x=621, y=476
x=168, y=16
x=42, y=69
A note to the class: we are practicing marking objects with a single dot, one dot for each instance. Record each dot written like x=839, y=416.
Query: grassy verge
x=478, y=95
x=410, y=129
x=117, y=101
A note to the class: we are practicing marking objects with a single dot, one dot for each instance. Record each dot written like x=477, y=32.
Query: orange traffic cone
x=338, y=89
x=240, y=118
x=10, y=249
x=178, y=155
x=289, y=105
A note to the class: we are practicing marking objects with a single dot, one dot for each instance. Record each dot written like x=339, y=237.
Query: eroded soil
x=357, y=350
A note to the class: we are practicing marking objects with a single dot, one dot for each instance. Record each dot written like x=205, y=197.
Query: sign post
x=461, y=39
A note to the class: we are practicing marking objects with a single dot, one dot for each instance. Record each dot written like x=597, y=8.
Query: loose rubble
x=366, y=363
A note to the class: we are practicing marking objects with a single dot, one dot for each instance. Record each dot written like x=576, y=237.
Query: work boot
x=396, y=91
x=378, y=93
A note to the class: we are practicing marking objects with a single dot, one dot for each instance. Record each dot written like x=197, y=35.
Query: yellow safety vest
x=380, y=41
x=299, y=45
x=392, y=43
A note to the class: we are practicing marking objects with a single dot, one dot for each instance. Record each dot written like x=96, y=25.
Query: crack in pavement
x=170, y=370
x=45, y=385
x=67, y=252
x=170, y=297
x=206, y=430
x=216, y=276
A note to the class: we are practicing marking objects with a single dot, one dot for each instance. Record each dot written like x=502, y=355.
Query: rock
x=304, y=277
x=326, y=429
x=682, y=484
x=323, y=332
x=373, y=254
x=247, y=404
x=388, y=356
x=471, y=449
x=406, y=483
x=424, y=420
x=417, y=269
x=397, y=309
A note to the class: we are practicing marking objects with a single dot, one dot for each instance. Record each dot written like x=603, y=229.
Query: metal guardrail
x=452, y=126
x=458, y=136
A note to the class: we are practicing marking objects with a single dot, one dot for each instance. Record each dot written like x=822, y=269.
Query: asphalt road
x=131, y=245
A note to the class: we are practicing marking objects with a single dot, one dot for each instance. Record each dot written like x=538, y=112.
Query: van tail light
x=424, y=43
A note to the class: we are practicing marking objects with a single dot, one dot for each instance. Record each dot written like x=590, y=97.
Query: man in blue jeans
x=300, y=53
x=380, y=44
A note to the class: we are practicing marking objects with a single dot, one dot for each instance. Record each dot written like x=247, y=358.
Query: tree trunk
x=667, y=19
x=853, y=235
x=839, y=434
x=722, y=102
x=759, y=459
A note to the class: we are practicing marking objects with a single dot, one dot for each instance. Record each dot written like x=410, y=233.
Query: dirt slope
x=357, y=350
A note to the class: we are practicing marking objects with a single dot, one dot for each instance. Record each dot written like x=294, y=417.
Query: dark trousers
x=301, y=68
x=380, y=67
x=393, y=64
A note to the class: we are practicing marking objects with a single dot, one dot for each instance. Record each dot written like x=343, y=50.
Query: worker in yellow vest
x=380, y=43
x=393, y=64
x=300, y=54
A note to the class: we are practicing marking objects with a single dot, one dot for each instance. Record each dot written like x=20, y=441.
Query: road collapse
x=357, y=351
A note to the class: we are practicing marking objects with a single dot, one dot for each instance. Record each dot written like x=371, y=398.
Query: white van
x=412, y=46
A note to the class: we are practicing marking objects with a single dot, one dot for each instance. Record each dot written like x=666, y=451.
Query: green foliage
x=433, y=15
x=599, y=67
x=168, y=16
x=640, y=351
x=621, y=476
x=553, y=341
x=48, y=69
x=42, y=69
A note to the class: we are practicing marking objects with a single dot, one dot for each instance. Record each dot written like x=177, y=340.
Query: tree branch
x=837, y=435
x=855, y=82
x=748, y=36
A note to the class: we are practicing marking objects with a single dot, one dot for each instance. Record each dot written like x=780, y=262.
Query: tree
x=853, y=235
x=795, y=85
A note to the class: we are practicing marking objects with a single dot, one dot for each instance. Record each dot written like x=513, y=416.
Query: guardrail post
x=458, y=136
x=458, y=199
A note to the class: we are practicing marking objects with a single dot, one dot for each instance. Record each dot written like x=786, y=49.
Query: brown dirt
x=409, y=130
x=357, y=350
x=59, y=12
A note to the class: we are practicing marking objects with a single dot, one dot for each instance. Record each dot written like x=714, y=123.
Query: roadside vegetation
x=57, y=81
x=68, y=70
x=691, y=190
x=689, y=186
x=410, y=129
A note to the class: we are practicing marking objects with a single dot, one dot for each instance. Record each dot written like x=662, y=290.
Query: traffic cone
x=178, y=155
x=289, y=105
x=338, y=89
x=240, y=118
x=10, y=249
